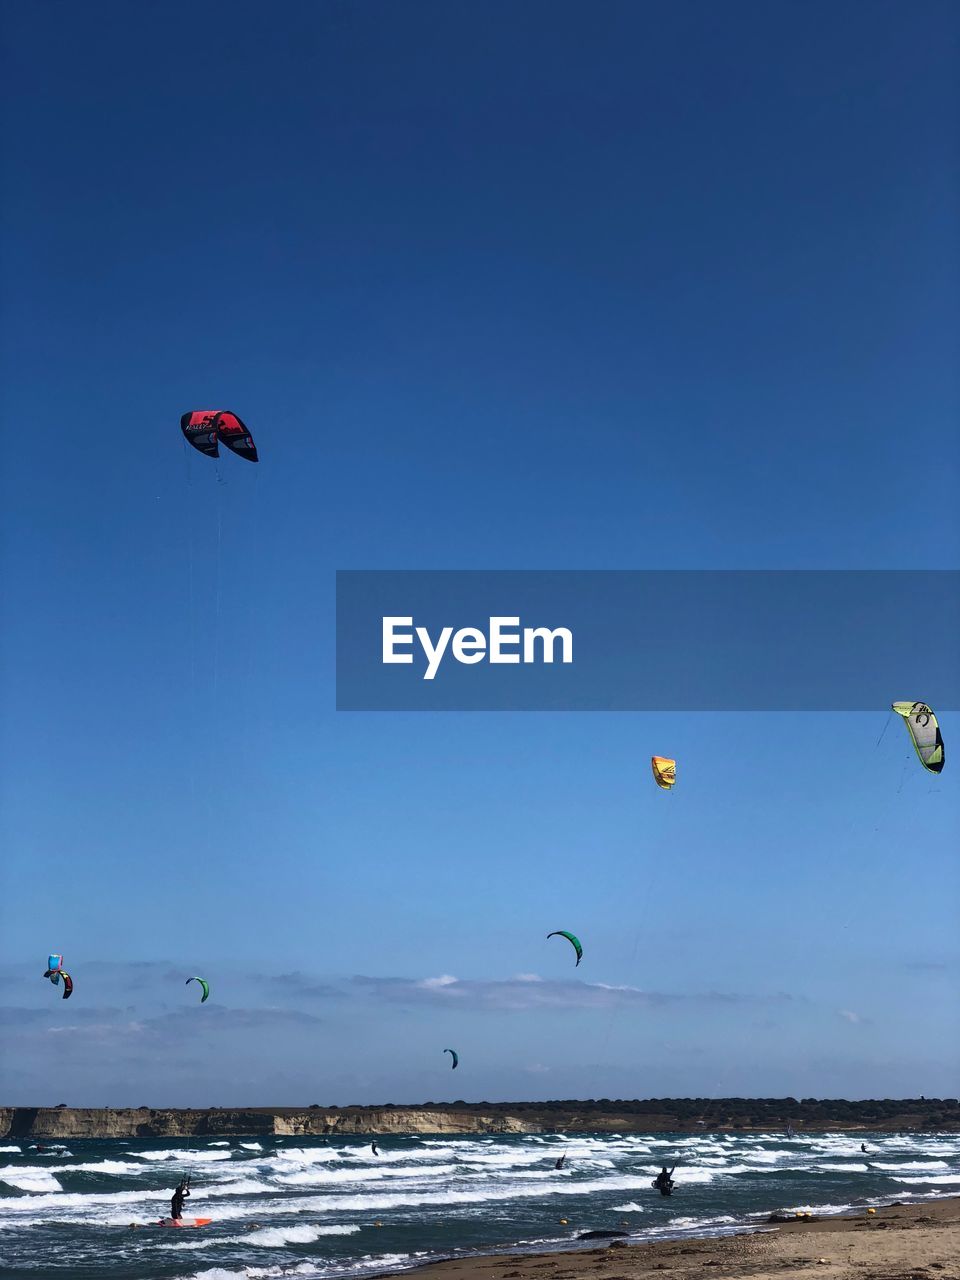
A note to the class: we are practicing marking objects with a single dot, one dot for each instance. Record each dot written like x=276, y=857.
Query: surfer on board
x=176, y=1204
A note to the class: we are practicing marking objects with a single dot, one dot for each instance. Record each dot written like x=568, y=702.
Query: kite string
x=214, y=710
x=216, y=621
x=191, y=621
x=254, y=561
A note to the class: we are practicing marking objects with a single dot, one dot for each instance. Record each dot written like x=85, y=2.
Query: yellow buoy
x=563, y=1222
x=871, y=1211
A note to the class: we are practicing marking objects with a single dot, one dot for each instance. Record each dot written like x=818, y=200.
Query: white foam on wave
x=631, y=1207
x=825, y=1209
x=73, y=1200
x=538, y=1174
x=906, y=1165
x=113, y=1167
x=183, y=1157
x=114, y=1208
x=313, y=1177
x=266, y=1237
x=254, y=1273
x=218, y=1144
x=695, y=1173
x=17, y=1149
x=504, y=1159
x=251, y=1146
x=276, y=1237
x=37, y=1180
x=482, y=1193
x=375, y=1264
x=308, y=1155
x=723, y=1220
x=853, y=1166
x=237, y=1187
x=936, y=1178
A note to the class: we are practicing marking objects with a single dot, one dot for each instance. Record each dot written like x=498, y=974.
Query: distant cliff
x=652, y=1115
x=142, y=1122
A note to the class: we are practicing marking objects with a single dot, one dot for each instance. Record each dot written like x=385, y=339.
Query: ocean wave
x=938, y=1179
x=479, y=1195
x=276, y=1237
x=30, y=1180
x=905, y=1165
x=112, y=1167
x=723, y=1220
x=333, y=1177
x=377, y=1264
x=184, y=1157
x=313, y=1204
x=254, y=1273
x=309, y=1155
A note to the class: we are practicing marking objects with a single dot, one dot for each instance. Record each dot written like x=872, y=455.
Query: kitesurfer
x=374, y=1148
x=664, y=1181
x=176, y=1204
x=560, y=1162
x=863, y=1146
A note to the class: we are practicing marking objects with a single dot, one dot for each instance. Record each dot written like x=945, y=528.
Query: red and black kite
x=207, y=429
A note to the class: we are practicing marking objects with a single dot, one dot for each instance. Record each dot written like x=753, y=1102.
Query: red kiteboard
x=185, y=1222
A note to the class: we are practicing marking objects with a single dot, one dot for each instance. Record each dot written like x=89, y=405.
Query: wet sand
x=898, y=1242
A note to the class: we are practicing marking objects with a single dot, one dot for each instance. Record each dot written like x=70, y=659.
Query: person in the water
x=374, y=1149
x=176, y=1204
x=560, y=1162
x=664, y=1181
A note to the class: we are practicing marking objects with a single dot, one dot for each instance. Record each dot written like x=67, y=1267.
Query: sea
x=309, y=1208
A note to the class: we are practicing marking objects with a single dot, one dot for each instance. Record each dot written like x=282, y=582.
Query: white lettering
x=434, y=654
x=469, y=645
x=391, y=640
x=532, y=634
x=499, y=638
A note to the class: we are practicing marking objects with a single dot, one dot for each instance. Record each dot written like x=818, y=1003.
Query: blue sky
x=503, y=286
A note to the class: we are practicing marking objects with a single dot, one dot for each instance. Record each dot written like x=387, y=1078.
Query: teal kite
x=572, y=939
x=203, y=983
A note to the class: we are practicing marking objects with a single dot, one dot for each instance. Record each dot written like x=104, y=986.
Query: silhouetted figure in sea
x=664, y=1181
x=176, y=1204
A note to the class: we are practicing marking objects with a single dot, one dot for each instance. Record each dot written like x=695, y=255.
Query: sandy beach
x=899, y=1242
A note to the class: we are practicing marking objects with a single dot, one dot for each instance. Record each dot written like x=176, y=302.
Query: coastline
x=917, y=1241
x=656, y=1115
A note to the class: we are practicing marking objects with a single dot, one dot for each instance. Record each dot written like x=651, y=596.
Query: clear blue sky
x=495, y=286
